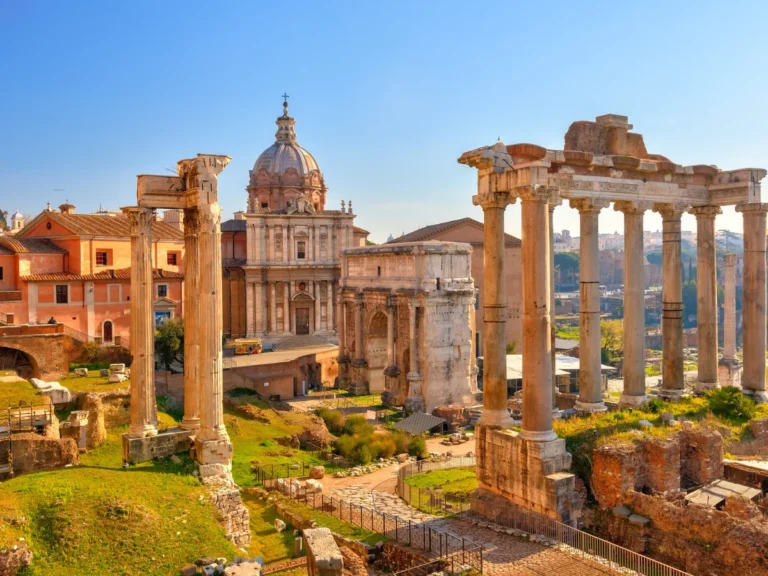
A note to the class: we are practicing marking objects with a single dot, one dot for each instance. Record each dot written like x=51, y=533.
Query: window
x=101, y=258
x=1, y=272
x=265, y=204
x=302, y=249
x=162, y=290
x=62, y=294
x=171, y=259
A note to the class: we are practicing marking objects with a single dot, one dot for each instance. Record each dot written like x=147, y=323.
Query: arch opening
x=23, y=364
x=376, y=352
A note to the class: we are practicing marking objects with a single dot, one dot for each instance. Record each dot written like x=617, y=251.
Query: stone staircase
x=303, y=341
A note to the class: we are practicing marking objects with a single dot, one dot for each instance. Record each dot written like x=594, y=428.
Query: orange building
x=75, y=268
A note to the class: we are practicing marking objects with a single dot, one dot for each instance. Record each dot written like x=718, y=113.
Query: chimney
x=67, y=208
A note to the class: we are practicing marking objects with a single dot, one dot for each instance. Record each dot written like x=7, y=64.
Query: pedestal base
x=700, y=385
x=526, y=473
x=393, y=394
x=190, y=424
x=413, y=405
x=214, y=457
x=590, y=406
x=672, y=395
x=759, y=396
x=628, y=401
x=166, y=443
x=729, y=373
x=496, y=419
x=359, y=375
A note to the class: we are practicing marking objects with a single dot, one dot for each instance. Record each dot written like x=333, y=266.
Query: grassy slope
x=454, y=481
x=93, y=383
x=12, y=392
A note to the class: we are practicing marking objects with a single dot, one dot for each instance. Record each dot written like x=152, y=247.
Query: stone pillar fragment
x=706, y=285
x=754, y=337
x=495, y=412
x=537, y=335
x=192, y=325
x=273, y=308
x=672, y=376
x=143, y=404
x=590, y=374
x=634, y=303
x=250, y=318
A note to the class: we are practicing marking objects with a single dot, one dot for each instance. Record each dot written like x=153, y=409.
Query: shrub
x=655, y=405
x=89, y=352
x=333, y=419
x=345, y=445
x=729, y=402
x=357, y=424
x=363, y=454
x=400, y=439
x=382, y=445
x=417, y=446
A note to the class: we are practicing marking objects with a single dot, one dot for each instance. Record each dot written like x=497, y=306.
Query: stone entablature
x=407, y=312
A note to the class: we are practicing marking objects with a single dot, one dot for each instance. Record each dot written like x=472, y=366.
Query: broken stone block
x=82, y=372
x=204, y=561
x=57, y=393
x=667, y=417
x=314, y=487
x=317, y=472
x=622, y=512
x=189, y=570
x=117, y=378
x=639, y=520
x=209, y=570
x=687, y=425
x=298, y=547
x=402, y=458
x=644, y=424
x=39, y=384
x=103, y=372
x=117, y=368
x=279, y=525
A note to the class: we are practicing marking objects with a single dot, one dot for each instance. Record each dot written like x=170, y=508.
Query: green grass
x=92, y=383
x=652, y=370
x=344, y=399
x=568, y=332
x=12, y=392
x=460, y=482
x=339, y=526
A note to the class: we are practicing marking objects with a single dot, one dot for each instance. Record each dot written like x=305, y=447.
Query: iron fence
x=432, y=500
x=421, y=535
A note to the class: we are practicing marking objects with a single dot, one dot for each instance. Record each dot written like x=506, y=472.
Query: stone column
x=634, y=303
x=359, y=384
x=256, y=235
x=329, y=308
x=729, y=307
x=286, y=308
x=415, y=401
x=554, y=202
x=317, y=305
x=262, y=306
x=210, y=315
x=273, y=307
x=390, y=333
x=706, y=284
x=250, y=320
x=495, y=412
x=143, y=406
x=262, y=232
x=359, y=305
x=192, y=326
x=672, y=376
x=753, y=381
x=590, y=376
x=537, y=332
x=286, y=257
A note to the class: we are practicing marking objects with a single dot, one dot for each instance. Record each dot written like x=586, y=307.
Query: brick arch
x=48, y=354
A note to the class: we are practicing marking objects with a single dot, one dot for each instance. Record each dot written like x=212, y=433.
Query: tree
x=690, y=305
x=654, y=258
x=567, y=261
x=169, y=340
x=612, y=339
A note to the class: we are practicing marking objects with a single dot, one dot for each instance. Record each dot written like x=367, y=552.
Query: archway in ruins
x=376, y=352
x=17, y=361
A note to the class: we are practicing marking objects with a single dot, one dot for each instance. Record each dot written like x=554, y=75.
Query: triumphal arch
x=195, y=191
x=602, y=163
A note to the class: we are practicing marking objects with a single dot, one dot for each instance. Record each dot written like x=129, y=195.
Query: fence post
x=409, y=532
x=396, y=535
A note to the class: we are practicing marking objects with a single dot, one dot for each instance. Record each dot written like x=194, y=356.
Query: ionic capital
x=493, y=201
x=670, y=211
x=589, y=205
x=632, y=207
x=731, y=259
x=140, y=219
x=706, y=211
x=537, y=193
x=752, y=207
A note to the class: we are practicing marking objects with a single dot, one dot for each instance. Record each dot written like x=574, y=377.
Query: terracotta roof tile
x=106, y=275
x=430, y=232
x=233, y=226
x=101, y=225
x=360, y=230
x=19, y=245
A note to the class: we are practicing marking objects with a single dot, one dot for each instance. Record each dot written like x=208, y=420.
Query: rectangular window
x=162, y=290
x=171, y=258
x=1, y=272
x=301, y=249
x=62, y=294
x=265, y=204
x=101, y=258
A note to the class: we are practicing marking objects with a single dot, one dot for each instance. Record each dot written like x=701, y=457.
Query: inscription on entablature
x=593, y=185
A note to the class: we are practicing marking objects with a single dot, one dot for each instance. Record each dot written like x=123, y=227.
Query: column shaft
x=552, y=315
x=390, y=335
x=706, y=284
x=672, y=376
x=413, y=368
x=590, y=377
x=273, y=308
x=210, y=310
x=317, y=305
x=753, y=381
x=495, y=411
x=285, y=244
x=359, y=356
x=537, y=335
x=286, y=308
x=143, y=407
x=250, y=320
x=329, y=308
x=729, y=308
x=192, y=326
x=634, y=305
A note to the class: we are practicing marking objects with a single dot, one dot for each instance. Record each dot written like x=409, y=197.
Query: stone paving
x=504, y=554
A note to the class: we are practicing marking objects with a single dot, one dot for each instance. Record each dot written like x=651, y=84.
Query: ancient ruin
x=601, y=162
x=407, y=312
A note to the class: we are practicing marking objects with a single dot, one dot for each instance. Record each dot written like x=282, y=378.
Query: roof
x=756, y=466
x=20, y=245
x=430, y=232
x=119, y=274
x=715, y=493
x=233, y=226
x=563, y=365
x=360, y=230
x=419, y=423
x=563, y=344
x=101, y=225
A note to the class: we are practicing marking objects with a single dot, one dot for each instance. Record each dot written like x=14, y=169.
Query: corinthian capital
x=537, y=193
x=752, y=207
x=670, y=211
x=587, y=205
x=632, y=206
x=706, y=211
x=140, y=219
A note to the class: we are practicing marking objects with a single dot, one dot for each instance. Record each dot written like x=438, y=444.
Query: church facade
x=282, y=257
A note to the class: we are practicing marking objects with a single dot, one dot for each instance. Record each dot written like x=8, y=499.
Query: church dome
x=283, y=155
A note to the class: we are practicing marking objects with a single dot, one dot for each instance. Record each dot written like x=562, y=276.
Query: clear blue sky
x=386, y=95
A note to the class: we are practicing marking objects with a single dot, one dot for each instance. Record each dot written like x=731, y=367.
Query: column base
x=496, y=419
x=700, y=385
x=169, y=441
x=214, y=457
x=629, y=401
x=672, y=395
x=590, y=406
x=759, y=396
x=538, y=435
x=413, y=405
x=142, y=431
x=190, y=424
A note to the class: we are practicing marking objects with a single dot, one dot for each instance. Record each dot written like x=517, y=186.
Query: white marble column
x=211, y=320
x=286, y=308
x=706, y=285
x=590, y=376
x=329, y=308
x=634, y=303
x=143, y=405
x=754, y=337
x=192, y=326
x=537, y=332
x=672, y=375
x=495, y=412
x=317, y=305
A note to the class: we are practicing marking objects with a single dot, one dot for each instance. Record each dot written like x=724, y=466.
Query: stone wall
x=233, y=515
x=34, y=453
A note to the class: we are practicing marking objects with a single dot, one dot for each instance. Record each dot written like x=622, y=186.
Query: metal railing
x=432, y=500
x=78, y=335
x=580, y=543
x=421, y=535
